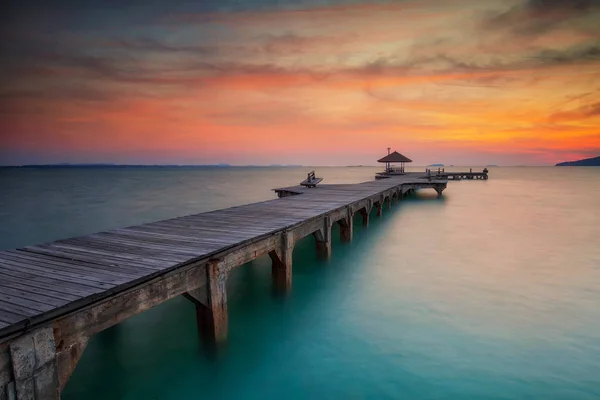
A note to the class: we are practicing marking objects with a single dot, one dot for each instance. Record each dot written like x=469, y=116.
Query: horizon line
x=225, y=165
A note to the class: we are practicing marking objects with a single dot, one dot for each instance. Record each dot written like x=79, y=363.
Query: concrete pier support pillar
x=379, y=205
x=211, y=303
x=323, y=237
x=347, y=227
x=439, y=189
x=365, y=217
x=217, y=298
x=67, y=357
x=365, y=213
x=281, y=263
x=33, y=359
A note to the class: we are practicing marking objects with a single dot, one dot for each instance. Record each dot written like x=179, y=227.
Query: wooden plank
x=24, y=302
x=274, y=223
x=156, y=235
x=234, y=229
x=46, y=283
x=6, y=266
x=88, y=247
x=10, y=318
x=150, y=265
x=67, y=264
x=82, y=275
x=225, y=242
x=8, y=289
x=239, y=227
x=161, y=239
x=127, y=243
x=18, y=309
x=195, y=249
x=34, y=287
x=142, y=247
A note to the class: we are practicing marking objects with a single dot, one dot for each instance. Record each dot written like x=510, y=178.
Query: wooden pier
x=457, y=176
x=54, y=297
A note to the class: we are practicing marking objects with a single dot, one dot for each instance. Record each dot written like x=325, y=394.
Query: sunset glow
x=300, y=82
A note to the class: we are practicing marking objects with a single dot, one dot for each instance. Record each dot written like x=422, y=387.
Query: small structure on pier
x=311, y=180
x=394, y=157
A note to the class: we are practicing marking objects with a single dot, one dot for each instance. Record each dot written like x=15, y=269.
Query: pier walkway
x=54, y=297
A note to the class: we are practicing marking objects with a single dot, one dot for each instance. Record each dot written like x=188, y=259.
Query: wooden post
x=323, y=237
x=211, y=308
x=365, y=211
x=439, y=189
x=67, y=357
x=33, y=358
x=281, y=263
x=217, y=298
x=379, y=205
x=347, y=227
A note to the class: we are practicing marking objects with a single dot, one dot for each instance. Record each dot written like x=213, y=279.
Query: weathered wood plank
x=90, y=246
x=70, y=265
x=48, y=270
x=46, y=283
x=190, y=248
x=35, y=288
x=10, y=318
x=15, y=290
x=17, y=309
x=6, y=266
x=19, y=301
x=151, y=265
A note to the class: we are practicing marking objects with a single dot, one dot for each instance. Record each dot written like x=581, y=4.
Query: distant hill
x=586, y=162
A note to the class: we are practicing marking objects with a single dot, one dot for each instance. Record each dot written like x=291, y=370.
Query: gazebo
x=394, y=157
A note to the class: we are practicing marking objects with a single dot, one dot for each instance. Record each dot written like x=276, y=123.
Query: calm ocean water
x=492, y=292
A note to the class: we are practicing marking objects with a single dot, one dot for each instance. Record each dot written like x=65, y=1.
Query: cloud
x=579, y=54
x=590, y=110
x=570, y=5
x=156, y=46
x=291, y=43
x=537, y=17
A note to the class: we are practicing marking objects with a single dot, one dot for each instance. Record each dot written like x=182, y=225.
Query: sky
x=312, y=82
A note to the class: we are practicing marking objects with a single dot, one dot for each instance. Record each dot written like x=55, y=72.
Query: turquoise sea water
x=492, y=292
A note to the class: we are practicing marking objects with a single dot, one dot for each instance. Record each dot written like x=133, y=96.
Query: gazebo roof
x=394, y=157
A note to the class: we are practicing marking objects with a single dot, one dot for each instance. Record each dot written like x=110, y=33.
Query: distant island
x=436, y=165
x=586, y=162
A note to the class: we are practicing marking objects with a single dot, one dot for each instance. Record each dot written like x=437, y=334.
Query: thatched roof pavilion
x=394, y=157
